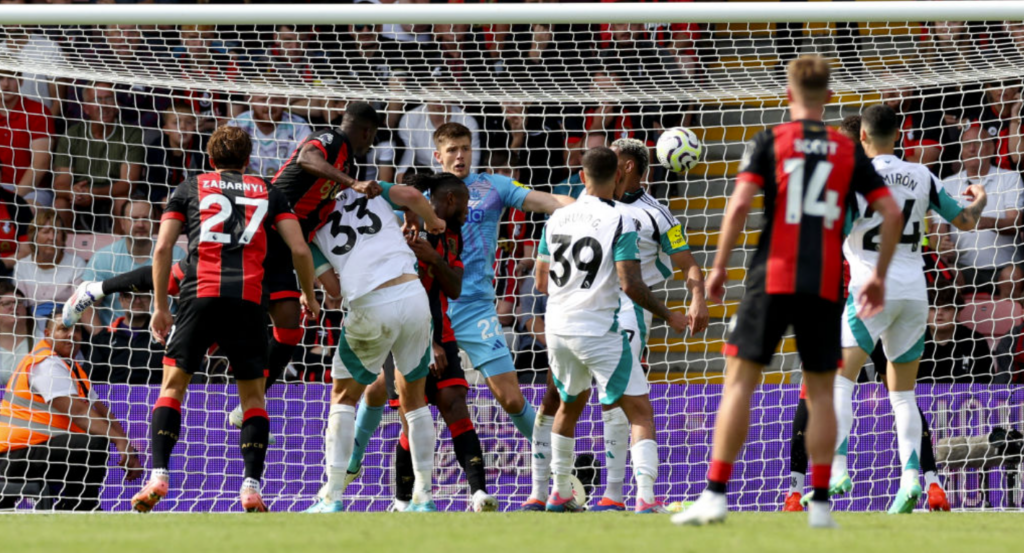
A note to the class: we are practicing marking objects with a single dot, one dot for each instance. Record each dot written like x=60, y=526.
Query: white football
x=679, y=149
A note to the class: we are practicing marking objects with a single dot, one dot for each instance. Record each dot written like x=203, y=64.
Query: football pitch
x=501, y=533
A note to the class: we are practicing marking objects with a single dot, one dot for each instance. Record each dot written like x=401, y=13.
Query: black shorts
x=279, y=279
x=237, y=326
x=763, y=318
x=453, y=376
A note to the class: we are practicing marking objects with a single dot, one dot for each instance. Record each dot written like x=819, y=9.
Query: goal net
x=100, y=122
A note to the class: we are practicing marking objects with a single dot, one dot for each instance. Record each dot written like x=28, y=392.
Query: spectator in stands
x=137, y=221
x=290, y=59
x=275, y=133
x=534, y=54
x=1000, y=117
x=1010, y=283
x=179, y=153
x=572, y=185
x=407, y=43
x=952, y=45
x=48, y=275
x=952, y=352
x=70, y=455
x=462, y=58
x=125, y=352
x=140, y=105
x=416, y=133
x=15, y=220
x=32, y=48
x=26, y=132
x=994, y=244
x=96, y=162
x=921, y=138
x=16, y=329
x=199, y=61
x=1009, y=357
x=633, y=57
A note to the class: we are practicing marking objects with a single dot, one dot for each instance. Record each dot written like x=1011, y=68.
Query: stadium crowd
x=86, y=166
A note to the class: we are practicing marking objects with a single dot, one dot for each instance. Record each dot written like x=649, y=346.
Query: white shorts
x=636, y=322
x=578, y=361
x=900, y=325
x=394, y=320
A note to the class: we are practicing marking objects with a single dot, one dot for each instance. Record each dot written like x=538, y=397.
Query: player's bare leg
x=420, y=430
x=733, y=420
x=563, y=451
x=640, y=413
x=901, y=379
x=164, y=428
x=451, y=404
x=339, y=440
x=254, y=440
x=540, y=449
x=821, y=440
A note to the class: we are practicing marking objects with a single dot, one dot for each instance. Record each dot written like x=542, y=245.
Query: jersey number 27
x=206, y=232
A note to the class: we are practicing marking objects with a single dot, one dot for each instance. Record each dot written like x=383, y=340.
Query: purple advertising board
x=207, y=466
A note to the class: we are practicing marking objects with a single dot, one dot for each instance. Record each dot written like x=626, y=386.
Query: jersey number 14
x=798, y=204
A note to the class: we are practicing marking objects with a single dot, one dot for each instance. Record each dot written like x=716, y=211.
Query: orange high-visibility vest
x=25, y=418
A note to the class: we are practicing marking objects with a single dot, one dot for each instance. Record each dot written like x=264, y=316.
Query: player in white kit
x=587, y=251
x=901, y=326
x=388, y=313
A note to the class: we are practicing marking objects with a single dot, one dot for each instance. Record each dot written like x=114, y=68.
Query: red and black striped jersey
x=807, y=171
x=450, y=249
x=227, y=217
x=312, y=197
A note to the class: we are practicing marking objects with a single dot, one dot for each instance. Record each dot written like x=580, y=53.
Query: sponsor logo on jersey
x=475, y=215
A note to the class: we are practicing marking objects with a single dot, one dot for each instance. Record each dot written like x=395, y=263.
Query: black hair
x=851, y=127
x=362, y=114
x=436, y=183
x=880, y=121
x=600, y=164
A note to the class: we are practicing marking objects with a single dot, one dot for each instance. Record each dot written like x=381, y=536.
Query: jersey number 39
x=582, y=262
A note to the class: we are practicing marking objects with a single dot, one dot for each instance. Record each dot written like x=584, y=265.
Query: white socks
x=931, y=478
x=340, y=437
x=645, y=469
x=616, y=443
x=842, y=399
x=562, y=451
x=96, y=289
x=796, y=482
x=908, y=434
x=421, y=443
x=540, y=458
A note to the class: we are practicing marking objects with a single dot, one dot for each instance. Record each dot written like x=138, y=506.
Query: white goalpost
x=537, y=84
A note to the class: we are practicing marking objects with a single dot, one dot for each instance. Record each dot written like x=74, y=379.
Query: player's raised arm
x=542, y=202
x=414, y=200
x=735, y=219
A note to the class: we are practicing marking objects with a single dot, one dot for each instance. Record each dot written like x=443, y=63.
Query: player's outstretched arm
x=698, y=313
x=542, y=202
x=313, y=161
x=633, y=285
x=163, y=257
x=735, y=219
x=302, y=258
x=410, y=198
x=970, y=217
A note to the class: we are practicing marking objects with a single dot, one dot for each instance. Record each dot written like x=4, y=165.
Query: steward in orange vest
x=54, y=429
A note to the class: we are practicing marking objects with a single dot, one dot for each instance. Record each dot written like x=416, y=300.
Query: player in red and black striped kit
x=807, y=173
x=310, y=180
x=228, y=218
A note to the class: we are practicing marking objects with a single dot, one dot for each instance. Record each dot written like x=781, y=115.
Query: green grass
x=500, y=533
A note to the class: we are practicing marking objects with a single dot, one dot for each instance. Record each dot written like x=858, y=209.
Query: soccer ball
x=679, y=149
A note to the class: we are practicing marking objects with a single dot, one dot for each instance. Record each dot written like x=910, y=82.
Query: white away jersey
x=582, y=242
x=916, y=191
x=659, y=235
x=362, y=241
